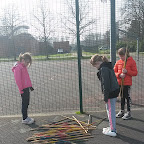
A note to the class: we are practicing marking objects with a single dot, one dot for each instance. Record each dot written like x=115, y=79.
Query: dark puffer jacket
x=109, y=84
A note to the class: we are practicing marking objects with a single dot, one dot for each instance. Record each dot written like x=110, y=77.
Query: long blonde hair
x=95, y=58
x=26, y=56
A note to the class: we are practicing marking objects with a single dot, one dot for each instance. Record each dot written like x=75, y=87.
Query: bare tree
x=11, y=25
x=133, y=14
x=84, y=20
x=45, y=24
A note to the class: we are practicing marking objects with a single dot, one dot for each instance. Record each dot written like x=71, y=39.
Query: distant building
x=61, y=47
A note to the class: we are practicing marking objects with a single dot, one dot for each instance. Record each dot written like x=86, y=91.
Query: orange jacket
x=131, y=70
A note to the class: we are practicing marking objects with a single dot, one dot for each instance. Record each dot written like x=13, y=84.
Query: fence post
x=138, y=49
x=113, y=34
x=79, y=54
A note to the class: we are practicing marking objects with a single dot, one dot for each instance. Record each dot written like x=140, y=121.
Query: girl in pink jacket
x=23, y=82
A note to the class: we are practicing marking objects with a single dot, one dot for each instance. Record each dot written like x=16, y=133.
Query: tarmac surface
x=12, y=131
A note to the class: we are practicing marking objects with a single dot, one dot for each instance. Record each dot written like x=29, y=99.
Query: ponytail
x=96, y=58
x=20, y=57
x=26, y=56
x=104, y=59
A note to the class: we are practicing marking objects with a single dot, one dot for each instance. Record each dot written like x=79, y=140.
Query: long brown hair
x=95, y=58
x=26, y=56
x=122, y=51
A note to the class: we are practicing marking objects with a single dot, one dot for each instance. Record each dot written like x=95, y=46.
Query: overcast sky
x=98, y=10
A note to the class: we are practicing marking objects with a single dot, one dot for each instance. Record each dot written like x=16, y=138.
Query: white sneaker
x=110, y=133
x=127, y=116
x=28, y=120
x=106, y=129
x=120, y=114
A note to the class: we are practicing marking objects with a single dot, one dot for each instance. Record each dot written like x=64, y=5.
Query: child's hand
x=22, y=92
x=31, y=88
x=124, y=71
x=122, y=75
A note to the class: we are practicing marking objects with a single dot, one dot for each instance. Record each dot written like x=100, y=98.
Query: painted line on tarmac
x=57, y=113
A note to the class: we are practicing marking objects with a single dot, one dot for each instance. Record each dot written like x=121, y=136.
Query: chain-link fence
x=48, y=30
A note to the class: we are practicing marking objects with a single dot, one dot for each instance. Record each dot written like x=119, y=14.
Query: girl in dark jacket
x=110, y=89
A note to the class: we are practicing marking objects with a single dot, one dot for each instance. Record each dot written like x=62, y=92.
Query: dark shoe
x=120, y=114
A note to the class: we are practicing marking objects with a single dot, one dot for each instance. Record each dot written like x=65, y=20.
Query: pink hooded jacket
x=21, y=76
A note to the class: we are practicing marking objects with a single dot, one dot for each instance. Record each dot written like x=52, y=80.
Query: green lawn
x=66, y=56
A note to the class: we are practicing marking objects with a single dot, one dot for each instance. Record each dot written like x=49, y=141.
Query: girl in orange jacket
x=125, y=74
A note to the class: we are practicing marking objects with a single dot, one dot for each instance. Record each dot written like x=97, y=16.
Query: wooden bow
x=122, y=82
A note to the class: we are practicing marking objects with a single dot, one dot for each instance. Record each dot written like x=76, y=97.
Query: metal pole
x=138, y=48
x=113, y=34
x=79, y=55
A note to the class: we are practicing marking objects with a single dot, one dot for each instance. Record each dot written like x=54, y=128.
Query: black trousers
x=126, y=96
x=25, y=102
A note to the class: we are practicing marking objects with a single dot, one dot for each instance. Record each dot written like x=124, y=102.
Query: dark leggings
x=25, y=102
x=126, y=95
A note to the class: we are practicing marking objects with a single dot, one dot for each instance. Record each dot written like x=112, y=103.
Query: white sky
x=98, y=10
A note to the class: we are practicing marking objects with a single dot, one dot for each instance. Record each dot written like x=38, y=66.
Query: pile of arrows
x=66, y=131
